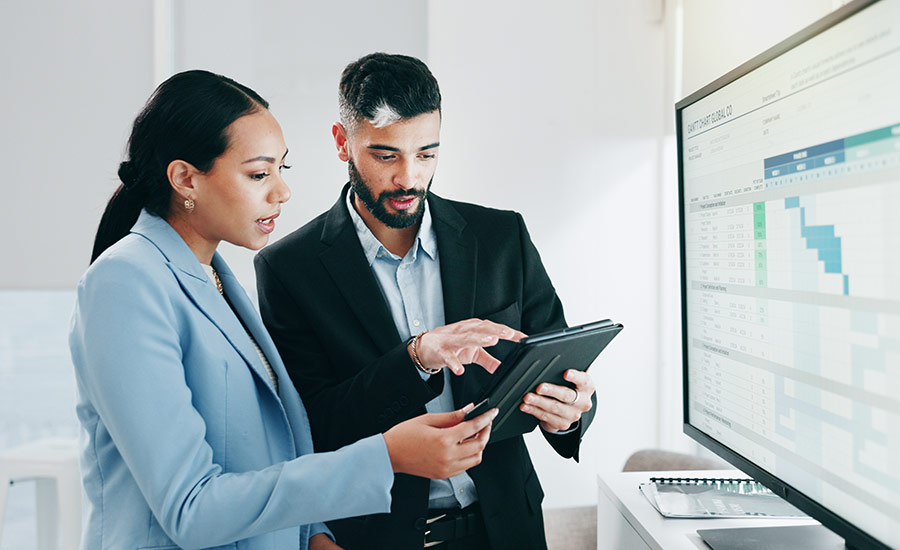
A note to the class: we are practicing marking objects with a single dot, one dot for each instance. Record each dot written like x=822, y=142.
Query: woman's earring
x=189, y=205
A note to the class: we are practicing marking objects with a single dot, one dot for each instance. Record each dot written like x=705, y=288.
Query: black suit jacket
x=334, y=330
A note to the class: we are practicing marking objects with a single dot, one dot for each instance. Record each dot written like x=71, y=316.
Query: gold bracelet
x=415, y=355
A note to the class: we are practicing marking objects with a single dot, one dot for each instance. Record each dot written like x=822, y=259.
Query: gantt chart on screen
x=792, y=250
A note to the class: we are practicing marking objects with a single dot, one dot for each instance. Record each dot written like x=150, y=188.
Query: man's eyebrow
x=270, y=160
x=378, y=147
x=383, y=148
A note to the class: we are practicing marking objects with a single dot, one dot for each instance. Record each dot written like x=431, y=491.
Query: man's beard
x=377, y=206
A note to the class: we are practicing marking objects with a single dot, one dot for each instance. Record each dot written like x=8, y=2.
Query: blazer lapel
x=290, y=404
x=345, y=261
x=245, y=311
x=458, y=252
x=203, y=292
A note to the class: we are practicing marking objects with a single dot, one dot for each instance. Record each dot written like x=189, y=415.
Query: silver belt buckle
x=427, y=532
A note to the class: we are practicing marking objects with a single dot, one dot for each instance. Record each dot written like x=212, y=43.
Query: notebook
x=678, y=497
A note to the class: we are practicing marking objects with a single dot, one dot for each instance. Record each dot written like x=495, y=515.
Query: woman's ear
x=181, y=176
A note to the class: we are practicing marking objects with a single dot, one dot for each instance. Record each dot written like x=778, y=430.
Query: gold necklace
x=218, y=282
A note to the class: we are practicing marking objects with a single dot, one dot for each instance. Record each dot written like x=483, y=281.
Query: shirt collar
x=425, y=239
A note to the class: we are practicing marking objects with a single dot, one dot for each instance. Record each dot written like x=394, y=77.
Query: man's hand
x=559, y=407
x=463, y=342
x=321, y=541
x=439, y=445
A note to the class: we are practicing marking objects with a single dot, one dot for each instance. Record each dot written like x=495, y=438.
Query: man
x=371, y=299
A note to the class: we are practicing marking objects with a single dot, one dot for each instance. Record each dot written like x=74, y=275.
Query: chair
x=650, y=460
x=53, y=465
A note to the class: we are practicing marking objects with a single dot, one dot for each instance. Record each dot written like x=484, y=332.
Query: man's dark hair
x=385, y=88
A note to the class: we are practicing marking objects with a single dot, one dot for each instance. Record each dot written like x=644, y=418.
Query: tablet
x=540, y=358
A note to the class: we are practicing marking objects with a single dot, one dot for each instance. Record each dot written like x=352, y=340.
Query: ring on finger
x=577, y=397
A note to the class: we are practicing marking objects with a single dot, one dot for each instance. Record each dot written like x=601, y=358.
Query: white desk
x=627, y=521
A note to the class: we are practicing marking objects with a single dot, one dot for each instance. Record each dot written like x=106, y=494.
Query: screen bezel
x=854, y=536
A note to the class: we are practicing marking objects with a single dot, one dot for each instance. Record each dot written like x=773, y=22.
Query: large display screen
x=790, y=199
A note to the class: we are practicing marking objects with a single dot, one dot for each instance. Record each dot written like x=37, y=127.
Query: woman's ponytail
x=121, y=212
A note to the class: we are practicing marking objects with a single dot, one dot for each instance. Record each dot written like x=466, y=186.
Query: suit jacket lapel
x=345, y=261
x=458, y=252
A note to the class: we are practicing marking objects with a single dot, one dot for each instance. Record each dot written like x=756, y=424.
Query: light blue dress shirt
x=412, y=290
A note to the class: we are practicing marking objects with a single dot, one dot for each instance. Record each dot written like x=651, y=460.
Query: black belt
x=452, y=524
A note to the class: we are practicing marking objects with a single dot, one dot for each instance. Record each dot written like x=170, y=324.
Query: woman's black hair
x=186, y=119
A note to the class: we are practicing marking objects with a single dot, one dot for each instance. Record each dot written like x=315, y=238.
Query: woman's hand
x=461, y=343
x=439, y=445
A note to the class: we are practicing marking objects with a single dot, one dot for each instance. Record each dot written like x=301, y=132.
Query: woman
x=195, y=436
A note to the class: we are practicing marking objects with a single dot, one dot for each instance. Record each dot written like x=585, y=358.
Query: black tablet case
x=536, y=359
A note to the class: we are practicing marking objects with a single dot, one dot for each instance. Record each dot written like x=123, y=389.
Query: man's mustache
x=401, y=193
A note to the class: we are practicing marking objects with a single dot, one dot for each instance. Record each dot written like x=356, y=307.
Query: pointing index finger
x=504, y=332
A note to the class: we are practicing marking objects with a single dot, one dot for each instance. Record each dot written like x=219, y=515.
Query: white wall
x=719, y=36
x=72, y=83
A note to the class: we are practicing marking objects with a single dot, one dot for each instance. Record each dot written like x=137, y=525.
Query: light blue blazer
x=187, y=444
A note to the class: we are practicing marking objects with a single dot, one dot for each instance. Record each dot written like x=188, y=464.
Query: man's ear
x=340, y=141
x=181, y=176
